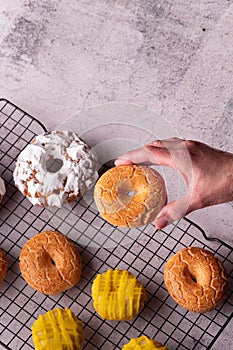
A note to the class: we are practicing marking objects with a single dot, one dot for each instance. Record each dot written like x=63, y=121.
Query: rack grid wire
x=142, y=251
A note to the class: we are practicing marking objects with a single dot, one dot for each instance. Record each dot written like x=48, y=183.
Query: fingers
x=136, y=156
x=173, y=211
x=172, y=142
x=146, y=154
x=173, y=153
x=163, y=152
x=122, y=161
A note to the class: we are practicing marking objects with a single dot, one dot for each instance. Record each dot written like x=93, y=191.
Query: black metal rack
x=102, y=246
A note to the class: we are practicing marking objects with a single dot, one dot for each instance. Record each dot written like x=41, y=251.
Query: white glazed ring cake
x=2, y=188
x=55, y=168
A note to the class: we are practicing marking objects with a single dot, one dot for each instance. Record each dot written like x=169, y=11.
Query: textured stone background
x=58, y=58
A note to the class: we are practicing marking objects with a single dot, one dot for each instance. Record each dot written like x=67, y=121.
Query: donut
x=55, y=168
x=130, y=195
x=50, y=263
x=196, y=279
x=3, y=265
x=117, y=295
x=143, y=343
x=58, y=329
x=2, y=189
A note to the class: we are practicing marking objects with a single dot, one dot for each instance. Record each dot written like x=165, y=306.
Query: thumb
x=173, y=211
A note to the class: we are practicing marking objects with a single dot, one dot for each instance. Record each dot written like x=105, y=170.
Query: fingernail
x=161, y=222
x=118, y=162
x=122, y=161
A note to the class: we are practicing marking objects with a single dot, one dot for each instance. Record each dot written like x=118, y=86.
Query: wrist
x=227, y=178
x=215, y=183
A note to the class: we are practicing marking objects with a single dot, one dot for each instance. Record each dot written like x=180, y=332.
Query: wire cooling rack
x=141, y=251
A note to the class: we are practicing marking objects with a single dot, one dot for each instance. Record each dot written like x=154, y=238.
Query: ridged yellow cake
x=144, y=343
x=117, y=295
x=58, y=330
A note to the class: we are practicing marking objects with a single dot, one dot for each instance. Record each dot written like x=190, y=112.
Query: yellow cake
x=58, y=330
x=117, y=295
x=143, y=343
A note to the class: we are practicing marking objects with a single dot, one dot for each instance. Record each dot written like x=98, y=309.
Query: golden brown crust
x=3, y=265
x=196, y=279
x=130, y=195
x=50, y=262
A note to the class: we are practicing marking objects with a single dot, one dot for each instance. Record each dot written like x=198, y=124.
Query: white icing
x=77, y=174
x=2, y=187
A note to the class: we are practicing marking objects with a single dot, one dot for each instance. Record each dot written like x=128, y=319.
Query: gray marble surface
x=58, y=58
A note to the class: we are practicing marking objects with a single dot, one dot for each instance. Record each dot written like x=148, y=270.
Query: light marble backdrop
x=58, y=58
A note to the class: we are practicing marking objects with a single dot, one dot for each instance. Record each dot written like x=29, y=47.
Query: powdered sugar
x=2, y=188
x=42, y=186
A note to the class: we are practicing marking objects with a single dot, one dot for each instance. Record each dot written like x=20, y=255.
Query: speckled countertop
x=58, y=58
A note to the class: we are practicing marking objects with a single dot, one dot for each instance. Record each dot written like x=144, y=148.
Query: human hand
x=207, y=174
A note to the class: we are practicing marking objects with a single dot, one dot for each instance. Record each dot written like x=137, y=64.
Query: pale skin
x=207, y=173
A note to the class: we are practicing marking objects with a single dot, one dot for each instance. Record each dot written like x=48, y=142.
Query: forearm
x=227, y=196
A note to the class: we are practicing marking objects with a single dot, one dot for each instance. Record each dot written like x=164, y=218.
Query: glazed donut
x=130, y=195
x=3, y=265
x=117, y=295
x=2, y=189
x=195, y=279
x=55, y=168
x=58, y=329
x=50, y=263
x=143, y=343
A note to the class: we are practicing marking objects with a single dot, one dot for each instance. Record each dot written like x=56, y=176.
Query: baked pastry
x=143, y=343
x=130, y=195
x=195, y=279
x=2, y=189
x=55, y=168
x=3, y=265
x=117, y=295
x=50, y=262
x=58, y=330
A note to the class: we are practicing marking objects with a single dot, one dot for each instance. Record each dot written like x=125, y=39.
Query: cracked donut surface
x=130, y=195
x=3, y=265
x=196, y=279
x=50, y=263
